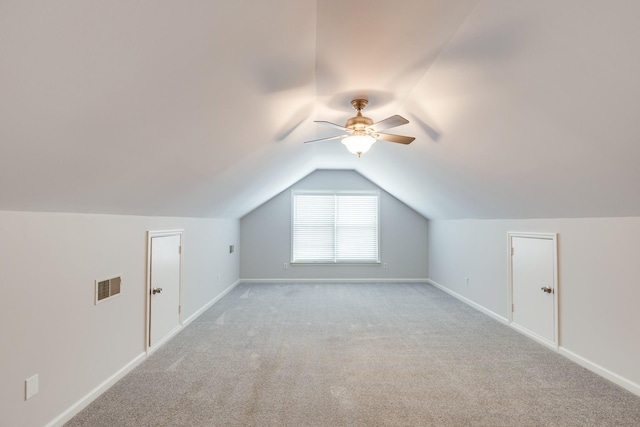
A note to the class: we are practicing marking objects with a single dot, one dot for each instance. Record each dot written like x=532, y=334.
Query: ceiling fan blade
x=388, y=123
x=326, y=139
x=333, y=125
x=400, y=139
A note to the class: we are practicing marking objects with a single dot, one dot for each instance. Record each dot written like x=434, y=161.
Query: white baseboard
x=93, y=394
x=350, y=280
x=524, y=331
x=189, y=319
x=163, y=340
x=467, y=301
x=603, y=372
x=208, y=305
x=585, y=363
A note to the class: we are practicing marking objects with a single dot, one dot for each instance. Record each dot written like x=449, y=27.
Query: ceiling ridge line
x=435, y=58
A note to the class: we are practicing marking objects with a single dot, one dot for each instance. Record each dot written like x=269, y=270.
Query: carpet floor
x=404, y=354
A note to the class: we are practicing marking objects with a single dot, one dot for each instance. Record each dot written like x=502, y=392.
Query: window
x=335, y=227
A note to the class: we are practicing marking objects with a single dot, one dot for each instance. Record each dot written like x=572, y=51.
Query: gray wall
x=265, y=236
x=598, y=286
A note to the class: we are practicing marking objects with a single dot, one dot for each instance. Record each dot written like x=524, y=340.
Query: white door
x=533, y=286
x=164, y=306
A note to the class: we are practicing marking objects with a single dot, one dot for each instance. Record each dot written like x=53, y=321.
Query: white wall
x=49, y=324
x=599, y=284
x=266, y=236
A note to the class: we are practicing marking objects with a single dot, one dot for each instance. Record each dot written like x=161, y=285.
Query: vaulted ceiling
x=520, y=109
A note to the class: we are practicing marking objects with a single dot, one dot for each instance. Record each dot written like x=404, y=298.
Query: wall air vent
x=108, y=288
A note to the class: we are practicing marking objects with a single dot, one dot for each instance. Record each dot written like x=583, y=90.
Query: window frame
x=352, y=262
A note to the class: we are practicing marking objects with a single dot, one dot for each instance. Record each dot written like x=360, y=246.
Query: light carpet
x=355, y=354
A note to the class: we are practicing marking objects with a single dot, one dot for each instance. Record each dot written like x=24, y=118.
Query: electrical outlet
x=466, y=281
x=30, y=387
x=384, y=265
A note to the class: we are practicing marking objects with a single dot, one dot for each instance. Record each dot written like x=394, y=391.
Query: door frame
x=147, y=335
x=555, y=345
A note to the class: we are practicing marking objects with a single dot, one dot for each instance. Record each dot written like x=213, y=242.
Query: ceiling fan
x=361, y=132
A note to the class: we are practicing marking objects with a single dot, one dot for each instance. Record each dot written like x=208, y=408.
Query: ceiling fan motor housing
x=359, y=122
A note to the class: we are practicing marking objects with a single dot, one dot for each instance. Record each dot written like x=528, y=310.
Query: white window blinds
x=335, y=227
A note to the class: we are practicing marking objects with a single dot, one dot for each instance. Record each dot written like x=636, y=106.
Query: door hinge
x=180, y=249
x=512, y=251
x=513, y=307
x=179, y=309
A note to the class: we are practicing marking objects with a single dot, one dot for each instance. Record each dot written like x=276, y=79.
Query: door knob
x=156, y=290
x=546, y=289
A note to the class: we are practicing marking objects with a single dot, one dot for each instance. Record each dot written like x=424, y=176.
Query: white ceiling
x=520, y=109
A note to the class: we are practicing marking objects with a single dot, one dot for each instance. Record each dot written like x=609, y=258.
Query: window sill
x=350, y=263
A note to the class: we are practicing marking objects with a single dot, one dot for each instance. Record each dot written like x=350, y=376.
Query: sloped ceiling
x=200, y=108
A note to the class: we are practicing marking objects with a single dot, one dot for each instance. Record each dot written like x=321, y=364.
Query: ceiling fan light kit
x=358, y=144
x=362, y=132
